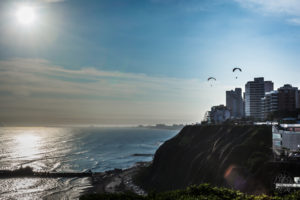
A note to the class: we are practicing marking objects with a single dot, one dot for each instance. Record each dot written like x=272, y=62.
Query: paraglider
x=211, y=79
x=235, y=70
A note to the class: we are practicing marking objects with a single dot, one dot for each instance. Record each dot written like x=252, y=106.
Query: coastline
x=116, y=181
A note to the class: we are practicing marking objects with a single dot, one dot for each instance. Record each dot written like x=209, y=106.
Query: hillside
x=222, y=155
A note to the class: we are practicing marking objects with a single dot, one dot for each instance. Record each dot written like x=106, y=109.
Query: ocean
x=70, y=150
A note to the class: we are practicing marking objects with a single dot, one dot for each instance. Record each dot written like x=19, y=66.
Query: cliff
x=223, y=155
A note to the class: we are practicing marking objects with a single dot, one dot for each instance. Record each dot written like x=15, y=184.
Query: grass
x=201, y=192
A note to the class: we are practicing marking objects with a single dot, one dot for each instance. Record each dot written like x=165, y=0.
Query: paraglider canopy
x=211, y=78
x=236, y=68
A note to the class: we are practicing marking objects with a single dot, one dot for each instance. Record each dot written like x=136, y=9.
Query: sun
x=26, y=15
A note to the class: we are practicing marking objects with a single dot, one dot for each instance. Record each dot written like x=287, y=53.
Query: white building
x=254, y=92
x=234, y=102
x=269, y=103
x=219, y=114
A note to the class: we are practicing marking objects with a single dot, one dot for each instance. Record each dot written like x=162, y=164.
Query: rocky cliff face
x=223, y=155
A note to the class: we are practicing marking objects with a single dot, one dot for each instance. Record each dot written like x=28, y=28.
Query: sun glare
x=26, y=15
x=27, y=144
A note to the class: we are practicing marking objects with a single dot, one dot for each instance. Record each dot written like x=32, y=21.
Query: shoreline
x=116, y=181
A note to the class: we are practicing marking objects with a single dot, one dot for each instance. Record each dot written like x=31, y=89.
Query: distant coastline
x=163, y=126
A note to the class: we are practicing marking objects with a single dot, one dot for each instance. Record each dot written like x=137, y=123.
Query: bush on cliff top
x=201, y=192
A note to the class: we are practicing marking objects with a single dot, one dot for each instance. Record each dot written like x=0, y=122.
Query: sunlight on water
x=69, y=149
x=27, y=144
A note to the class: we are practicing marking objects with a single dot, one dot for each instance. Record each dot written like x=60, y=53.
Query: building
x=269, y=104
x=254, y=92
x=298, y=99
x=234, y=102
x=284, y=101
x=219, y=114
x=269, y=86
x=288, y=98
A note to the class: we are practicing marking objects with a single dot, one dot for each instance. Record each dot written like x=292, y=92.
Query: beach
x=117, y=181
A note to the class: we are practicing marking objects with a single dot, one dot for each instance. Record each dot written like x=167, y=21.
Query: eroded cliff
x=223, y=155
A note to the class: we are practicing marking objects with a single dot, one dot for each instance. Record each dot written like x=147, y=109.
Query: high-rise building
x=284, y=100
x=269, y=86
x=269, y=103
x=254, y=92
x=288, y=98
x=234, y=102
x=298, y=99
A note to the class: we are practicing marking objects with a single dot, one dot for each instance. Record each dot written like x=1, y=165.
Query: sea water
x=70, y=150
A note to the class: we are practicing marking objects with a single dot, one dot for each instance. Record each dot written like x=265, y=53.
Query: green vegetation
x=201, y=192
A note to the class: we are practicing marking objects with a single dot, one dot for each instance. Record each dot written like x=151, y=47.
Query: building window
x=277, y=143
x=276, y=136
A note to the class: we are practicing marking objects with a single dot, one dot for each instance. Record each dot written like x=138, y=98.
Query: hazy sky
x=139, y=61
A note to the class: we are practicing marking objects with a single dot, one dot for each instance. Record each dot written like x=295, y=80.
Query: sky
x=139, y=61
